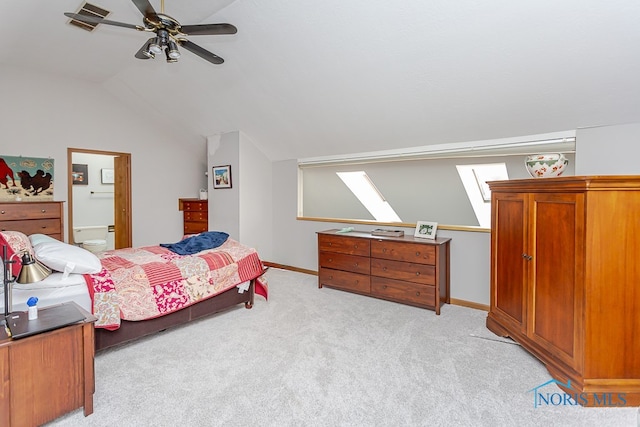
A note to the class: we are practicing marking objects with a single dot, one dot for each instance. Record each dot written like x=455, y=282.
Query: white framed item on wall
x=426, y=229
x=107, y=176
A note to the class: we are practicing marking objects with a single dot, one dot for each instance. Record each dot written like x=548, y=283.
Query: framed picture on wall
x=107, y=176
x=79, y=174
x=426, y=229
x=222, y=176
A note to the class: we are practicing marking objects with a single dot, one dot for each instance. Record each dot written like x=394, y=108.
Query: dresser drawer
x=418, y=273
x=409, y=252
x=344, y=280
x=29, y=210
x=194, y=227
x=193, y=205
x=403, y=291
x=195, y=216
x=343, y=244
x=352, y=263
x=42, y=226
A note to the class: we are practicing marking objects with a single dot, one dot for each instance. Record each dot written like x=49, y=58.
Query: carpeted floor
x=322, y=357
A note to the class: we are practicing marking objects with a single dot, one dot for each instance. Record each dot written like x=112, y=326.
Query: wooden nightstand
x=46, y=375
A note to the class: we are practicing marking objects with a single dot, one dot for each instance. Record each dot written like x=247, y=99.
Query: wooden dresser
x=33, y=217
x=565, y=281
x=195, y=215
x=404, y=269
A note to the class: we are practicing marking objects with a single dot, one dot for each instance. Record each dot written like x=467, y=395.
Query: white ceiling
x=305, y=78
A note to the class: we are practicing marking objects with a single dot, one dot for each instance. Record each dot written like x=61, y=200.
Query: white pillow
x=60, y=256
x=39, y=238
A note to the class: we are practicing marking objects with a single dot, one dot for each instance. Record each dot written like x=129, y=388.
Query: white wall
x=244, y=210
x=41, y=115
x=224, y=203
x=608, y=150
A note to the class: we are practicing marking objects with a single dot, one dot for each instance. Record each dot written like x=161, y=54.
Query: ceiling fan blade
x=208, y=29
x=146, y=9
x=201, y=52
x=97, y=20
x=139, y=53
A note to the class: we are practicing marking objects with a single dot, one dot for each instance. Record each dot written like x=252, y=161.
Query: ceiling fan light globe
x=172, y=55
x=172, y=50
x=155, y=46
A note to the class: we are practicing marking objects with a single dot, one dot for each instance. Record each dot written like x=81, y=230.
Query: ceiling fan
x=169, y=33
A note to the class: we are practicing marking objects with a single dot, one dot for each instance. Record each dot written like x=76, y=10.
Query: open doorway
x=104, y=193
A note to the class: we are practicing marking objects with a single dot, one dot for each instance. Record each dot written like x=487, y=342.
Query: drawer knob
x=384, y=286
x=355, y=246
x=417, y=273
x=356, y=264
x=330, y=244
x=43, y=210
x=417, y=253
x=3, y=212
x=330, y=259
x=384, y=250
x=417, y=294
x=330, y=277
x=384, y=268
x=43, y=227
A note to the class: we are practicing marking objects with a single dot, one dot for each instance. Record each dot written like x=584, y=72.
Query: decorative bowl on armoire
x=546, y=165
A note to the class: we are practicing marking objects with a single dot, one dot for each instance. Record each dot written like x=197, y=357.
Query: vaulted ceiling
x=305, y=78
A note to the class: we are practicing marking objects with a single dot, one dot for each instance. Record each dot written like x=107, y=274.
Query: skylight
x=368, y=194
x=474, y=178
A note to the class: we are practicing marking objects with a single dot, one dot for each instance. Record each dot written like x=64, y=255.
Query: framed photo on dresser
x=426, y=229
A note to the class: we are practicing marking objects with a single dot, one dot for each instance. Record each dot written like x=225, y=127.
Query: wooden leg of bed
x=252, y=289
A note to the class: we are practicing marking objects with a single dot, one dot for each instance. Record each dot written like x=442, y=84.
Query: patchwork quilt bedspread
x=151, y=281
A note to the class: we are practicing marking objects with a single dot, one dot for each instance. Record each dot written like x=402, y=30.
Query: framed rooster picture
x=26, y=179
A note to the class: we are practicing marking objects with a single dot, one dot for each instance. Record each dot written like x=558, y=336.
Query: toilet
x=92, y=238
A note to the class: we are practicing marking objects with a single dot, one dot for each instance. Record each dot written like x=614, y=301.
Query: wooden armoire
x=565, y=279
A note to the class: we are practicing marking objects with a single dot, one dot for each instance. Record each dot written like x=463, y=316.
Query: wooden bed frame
x=130, y=331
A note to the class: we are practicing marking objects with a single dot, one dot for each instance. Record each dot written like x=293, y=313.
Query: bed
x=135, y=292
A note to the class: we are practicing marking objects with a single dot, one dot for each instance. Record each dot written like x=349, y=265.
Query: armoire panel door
x=508, y=299
x=555, y=301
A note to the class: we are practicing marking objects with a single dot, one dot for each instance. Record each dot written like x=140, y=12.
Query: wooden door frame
x=70, y=152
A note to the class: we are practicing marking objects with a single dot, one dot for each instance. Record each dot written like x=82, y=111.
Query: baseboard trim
x=453, y=301
x=291, y=268
x=470, y=304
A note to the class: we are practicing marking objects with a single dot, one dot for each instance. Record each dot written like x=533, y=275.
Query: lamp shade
x=32, y=270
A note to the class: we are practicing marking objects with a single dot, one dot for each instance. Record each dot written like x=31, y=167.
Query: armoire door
x=509, y=275
x=555, y=309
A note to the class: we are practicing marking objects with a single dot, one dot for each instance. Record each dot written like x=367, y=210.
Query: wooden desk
x=44, y=376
